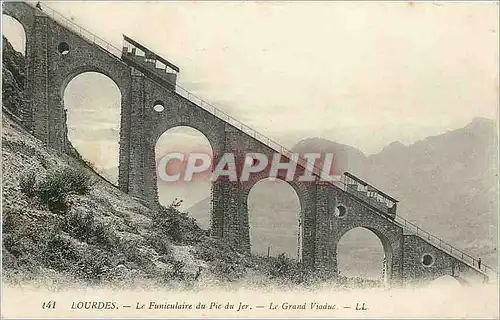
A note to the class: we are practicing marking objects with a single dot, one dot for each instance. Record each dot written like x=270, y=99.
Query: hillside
x=12, y=78
x=102, y=236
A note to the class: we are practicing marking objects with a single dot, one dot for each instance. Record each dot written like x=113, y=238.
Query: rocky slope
x=12, y=78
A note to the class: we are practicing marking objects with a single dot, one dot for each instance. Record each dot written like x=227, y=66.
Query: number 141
x=49, y=305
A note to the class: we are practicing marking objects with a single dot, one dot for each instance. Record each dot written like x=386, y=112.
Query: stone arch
x=24, y=14
x=175, y=113
x=384, y=241
x=73, y=73
x=290, y=235
x=304, y=194
x=300, y=188
x=199, y=181
x=20, y=29
x=448, y=280
x=15, y=35
x=209, y=137
x=148, y=124
x=161, y=123
x=330, y=228
x=97, y=148
x=57, y=129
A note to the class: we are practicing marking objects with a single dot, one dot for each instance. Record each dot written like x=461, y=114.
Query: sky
x=363, y=74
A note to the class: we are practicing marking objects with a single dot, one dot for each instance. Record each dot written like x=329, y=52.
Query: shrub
x=177, y=225
x=168, y=221
x=56, y=186
x=178, y=270
x=104, y=236
x=57, y=251
x=159, y=243
x=63, y=181
x=93, y=264
x=284, y=268
x=226, y=263
x=85, y=227
x=24, y=236
x=80, y=225
x=27, y=182
x=133, y=257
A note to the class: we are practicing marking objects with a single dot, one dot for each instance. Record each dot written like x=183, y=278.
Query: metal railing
x=398, y=220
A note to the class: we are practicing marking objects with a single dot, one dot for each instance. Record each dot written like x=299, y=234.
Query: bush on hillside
x=159, y=243
x=178, y=270
x=27, y=182
x=58, y=252
x=84, y=226
x=23, y=234
x=283, y=268
x=93, y=265
x=226, y=263
x=55, y=186
x=177, y=225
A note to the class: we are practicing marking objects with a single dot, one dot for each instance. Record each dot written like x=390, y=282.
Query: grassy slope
x=127, y=248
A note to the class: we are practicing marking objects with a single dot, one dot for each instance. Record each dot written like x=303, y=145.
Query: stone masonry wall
x=229, y=214
x=415, y=271
x=331, y=227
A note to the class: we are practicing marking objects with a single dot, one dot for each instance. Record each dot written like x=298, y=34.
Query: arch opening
x=63, y=48
x=362, y=253
x=447, y=281
x=274, y=213
x=340, y=211
x=158, y=106
x=427, y=260
x=14, y=31
x=92, y=103
x=193, y=189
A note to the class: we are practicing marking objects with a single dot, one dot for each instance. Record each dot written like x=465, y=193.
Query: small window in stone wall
x=427, y=260
x=340, y=211
x=63, y=48
x=158, y=106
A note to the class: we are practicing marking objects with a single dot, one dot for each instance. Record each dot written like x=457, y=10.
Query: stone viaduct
x=58, y=50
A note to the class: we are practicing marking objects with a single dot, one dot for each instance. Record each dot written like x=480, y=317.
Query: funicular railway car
x=381, y=201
